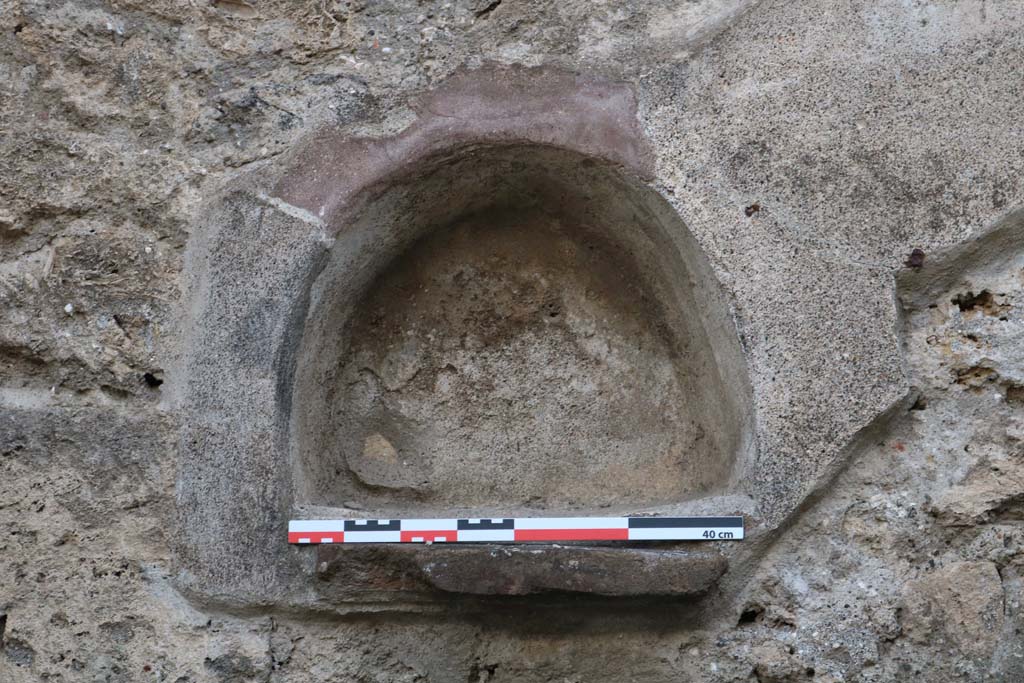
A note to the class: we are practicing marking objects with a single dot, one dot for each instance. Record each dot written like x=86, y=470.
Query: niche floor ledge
x=491, y=569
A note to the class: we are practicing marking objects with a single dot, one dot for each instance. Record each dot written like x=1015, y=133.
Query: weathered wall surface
x=809, y=147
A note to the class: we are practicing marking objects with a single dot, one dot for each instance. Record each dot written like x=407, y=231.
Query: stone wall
x=848, y=174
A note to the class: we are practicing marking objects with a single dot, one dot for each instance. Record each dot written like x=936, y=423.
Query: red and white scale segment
x=521, y=529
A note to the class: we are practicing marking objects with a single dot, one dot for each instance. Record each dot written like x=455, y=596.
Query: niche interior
x=515, y=328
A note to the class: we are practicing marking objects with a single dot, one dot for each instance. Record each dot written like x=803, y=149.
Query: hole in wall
x=750, y=615
x=969, y=300
x=985, y=302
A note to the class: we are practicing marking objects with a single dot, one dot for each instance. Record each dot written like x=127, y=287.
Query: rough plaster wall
x=861, y=130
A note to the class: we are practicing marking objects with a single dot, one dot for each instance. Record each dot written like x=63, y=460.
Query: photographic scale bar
x=515, y=530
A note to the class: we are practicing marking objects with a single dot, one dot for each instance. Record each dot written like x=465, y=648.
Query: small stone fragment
x=915, y=260
x=983, y=492
x=774, y=663
x=961, y=604
x=376, y=447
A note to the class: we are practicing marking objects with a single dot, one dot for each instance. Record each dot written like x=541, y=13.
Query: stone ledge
x=500, y=570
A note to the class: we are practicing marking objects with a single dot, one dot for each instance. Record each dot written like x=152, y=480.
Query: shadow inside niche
x=545, y=336
x=513, y=358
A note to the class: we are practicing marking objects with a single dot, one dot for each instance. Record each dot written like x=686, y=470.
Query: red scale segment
x=572, y=534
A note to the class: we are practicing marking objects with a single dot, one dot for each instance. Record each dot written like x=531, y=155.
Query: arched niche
x=497, y=296
x=516, y=326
